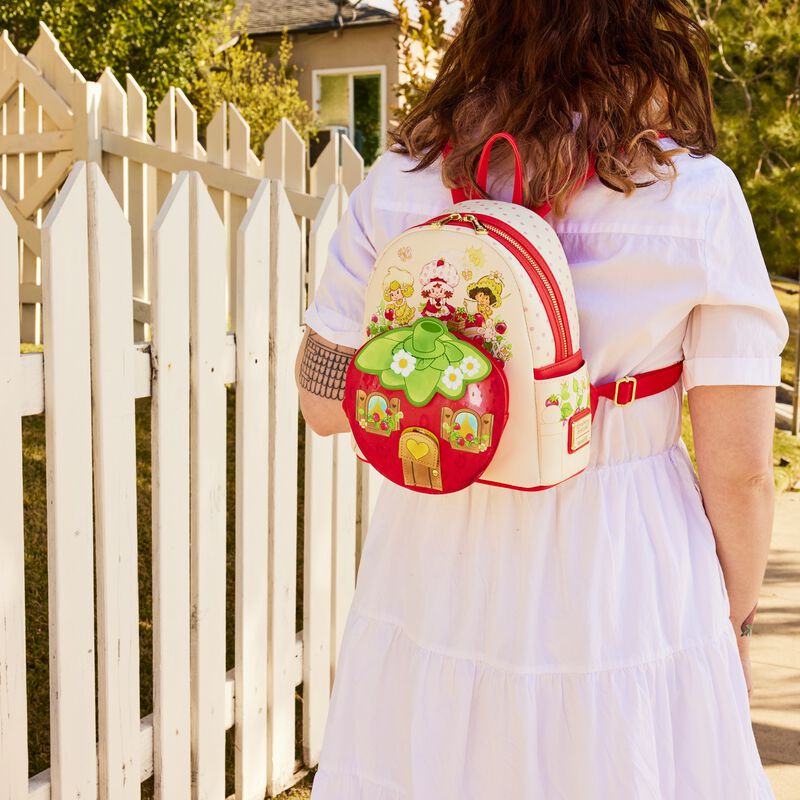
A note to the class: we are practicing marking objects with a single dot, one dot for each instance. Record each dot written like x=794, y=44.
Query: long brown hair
x=568, y=78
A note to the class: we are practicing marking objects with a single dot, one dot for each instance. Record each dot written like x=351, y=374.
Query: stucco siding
x=349, y=48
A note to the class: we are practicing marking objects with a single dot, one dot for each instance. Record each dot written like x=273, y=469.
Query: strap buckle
x=626, y=379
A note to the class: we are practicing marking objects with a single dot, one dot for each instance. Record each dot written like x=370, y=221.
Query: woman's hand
x=744, y=656
x=743, y=630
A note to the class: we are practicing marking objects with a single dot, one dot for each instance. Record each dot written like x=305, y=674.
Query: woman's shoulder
x=395, y=183
x=678, y=207
x=706, y=174
x=396, y=192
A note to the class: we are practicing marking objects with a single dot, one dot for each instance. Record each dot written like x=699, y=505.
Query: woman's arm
x=733, y=429
x=319, y=371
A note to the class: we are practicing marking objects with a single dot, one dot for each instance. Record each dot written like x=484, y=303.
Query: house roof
x=272, y=16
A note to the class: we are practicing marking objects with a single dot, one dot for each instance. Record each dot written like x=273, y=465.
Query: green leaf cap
x=423, y=359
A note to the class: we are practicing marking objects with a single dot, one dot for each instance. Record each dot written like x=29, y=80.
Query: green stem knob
x=425, y=333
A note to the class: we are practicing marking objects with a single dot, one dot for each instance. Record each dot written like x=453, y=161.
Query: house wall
x=367, y=46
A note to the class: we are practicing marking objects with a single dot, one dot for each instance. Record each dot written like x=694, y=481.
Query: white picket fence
x=165, y=269
x=50, y=117
x=86, y=382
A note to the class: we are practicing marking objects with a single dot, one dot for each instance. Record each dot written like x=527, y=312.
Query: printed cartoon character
x=481, y=326
x=439, y=279
x=487, y=293
x=398, y=285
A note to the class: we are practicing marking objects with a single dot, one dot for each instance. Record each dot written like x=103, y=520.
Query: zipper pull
x=438, y=224
x=480, y=228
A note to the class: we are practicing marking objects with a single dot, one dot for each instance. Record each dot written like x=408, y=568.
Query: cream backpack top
x=472, y=369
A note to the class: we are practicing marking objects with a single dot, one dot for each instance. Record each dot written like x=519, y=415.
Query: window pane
x=367, y=111
x=334, y=100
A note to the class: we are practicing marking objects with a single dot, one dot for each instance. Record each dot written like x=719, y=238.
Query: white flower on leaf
x=452, y=378
x=470, y=366
x=403, y=363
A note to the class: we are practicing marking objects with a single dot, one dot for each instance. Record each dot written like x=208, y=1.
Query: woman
x=584, y=641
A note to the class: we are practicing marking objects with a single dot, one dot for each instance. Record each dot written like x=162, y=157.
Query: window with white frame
x=353, y=100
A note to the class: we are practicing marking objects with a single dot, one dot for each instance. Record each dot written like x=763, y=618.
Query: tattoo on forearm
x=747, y=624
x=323, y=368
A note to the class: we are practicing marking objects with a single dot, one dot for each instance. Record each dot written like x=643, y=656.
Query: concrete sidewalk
x=775, y=655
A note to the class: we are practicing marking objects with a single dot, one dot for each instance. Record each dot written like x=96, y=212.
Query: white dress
x=573, y=643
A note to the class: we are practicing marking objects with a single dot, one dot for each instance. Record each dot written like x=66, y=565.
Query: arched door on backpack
x=419, y=451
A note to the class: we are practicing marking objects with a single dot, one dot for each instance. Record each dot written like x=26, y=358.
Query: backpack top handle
x=461, y=194
x=482, y=178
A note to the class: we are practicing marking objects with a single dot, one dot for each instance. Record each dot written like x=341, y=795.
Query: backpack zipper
x=522, y=252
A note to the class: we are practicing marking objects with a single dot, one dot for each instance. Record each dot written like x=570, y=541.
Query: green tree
x=421, y=44
x=199, y=46
x=230, y=68
x=756, y=84
x=154, y=40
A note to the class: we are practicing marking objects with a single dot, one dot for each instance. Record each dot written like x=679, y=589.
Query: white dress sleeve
x=736, y=333
x=337, y=310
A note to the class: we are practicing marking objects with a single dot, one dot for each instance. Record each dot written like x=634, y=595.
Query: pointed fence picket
x=170, y=510
x=239, y=149
x=140, y=208
x=13, y=705
x=208, y=409
x=114, y=436
x=67, y=391
x=285, y=292
x=318, y=527
x=253, y=475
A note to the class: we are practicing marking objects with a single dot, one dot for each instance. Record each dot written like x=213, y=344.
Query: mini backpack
x=471, y=369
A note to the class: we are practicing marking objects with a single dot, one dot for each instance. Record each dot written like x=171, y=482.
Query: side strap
x=625, y=390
